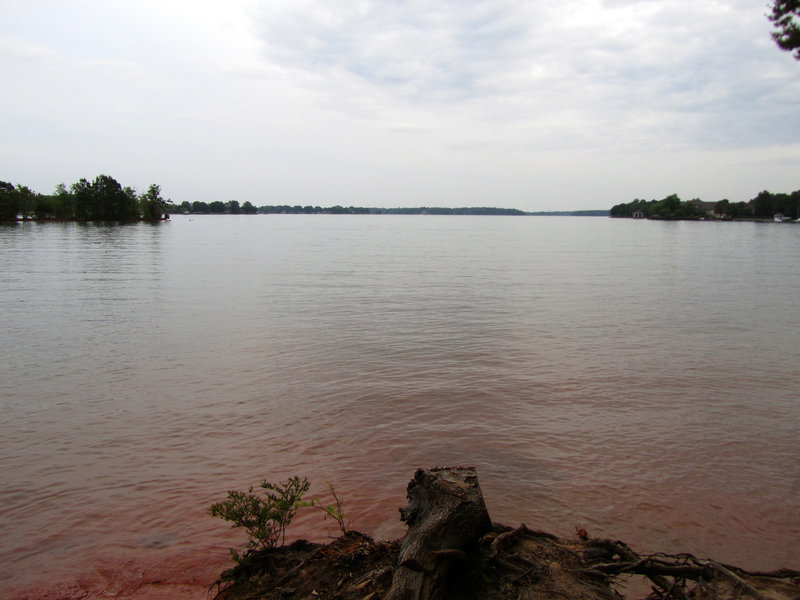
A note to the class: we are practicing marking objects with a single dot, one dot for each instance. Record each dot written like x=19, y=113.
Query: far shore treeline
x=103, y=199
x=360, y=210
x=765, y=205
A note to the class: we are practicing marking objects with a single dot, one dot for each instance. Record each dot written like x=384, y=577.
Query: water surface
x=638, y=379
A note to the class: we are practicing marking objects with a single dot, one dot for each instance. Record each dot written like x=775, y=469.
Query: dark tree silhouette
x=786, y=19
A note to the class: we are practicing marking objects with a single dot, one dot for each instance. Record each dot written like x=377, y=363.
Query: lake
x=636, y=378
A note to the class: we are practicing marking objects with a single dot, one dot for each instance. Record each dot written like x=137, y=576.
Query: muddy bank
x=530, y=565
x=452, y=552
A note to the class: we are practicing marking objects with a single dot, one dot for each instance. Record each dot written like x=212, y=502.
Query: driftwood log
x=446, y=518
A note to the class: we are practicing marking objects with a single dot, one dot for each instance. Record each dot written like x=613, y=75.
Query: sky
x=537, y=105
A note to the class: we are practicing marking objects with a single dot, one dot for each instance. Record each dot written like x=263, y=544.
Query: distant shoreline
x=427, y=211
x=424, y=210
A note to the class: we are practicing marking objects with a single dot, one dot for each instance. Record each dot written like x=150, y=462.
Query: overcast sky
x=537, y=105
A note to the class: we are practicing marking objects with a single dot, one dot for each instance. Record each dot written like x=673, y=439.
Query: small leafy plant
x=265, y=517
x=334, y=511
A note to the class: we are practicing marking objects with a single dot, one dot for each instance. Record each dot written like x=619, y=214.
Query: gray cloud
x=697, y=68
x=535, y=105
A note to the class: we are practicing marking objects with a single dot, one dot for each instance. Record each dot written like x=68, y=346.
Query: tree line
x=103, y=199
x=217, y=207
x=361, y=210
x=764, y=206
x=438, y=210
x=233, y=207
x=285, y=209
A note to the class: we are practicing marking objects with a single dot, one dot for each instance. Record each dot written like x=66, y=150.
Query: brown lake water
x=638, y=379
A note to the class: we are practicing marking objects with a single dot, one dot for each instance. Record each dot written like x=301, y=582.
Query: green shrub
x=265, y=517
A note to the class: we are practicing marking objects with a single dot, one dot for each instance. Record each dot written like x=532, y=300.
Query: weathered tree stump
x=446, y=518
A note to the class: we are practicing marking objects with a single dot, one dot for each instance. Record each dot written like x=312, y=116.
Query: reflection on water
x=636, y=379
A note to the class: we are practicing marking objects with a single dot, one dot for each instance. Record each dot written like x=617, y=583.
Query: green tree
x=132, y=198
x=63, y=203
x=794, y=204
x=9, y=202
x=104, y=200
x=113, y=203
x=740, y=209
x=26, y=201
x=43, y=207
x=671, y=202
x=763, y=204
x=152, y=205
x=785, y=17
x=84, y=200
x=116, y=203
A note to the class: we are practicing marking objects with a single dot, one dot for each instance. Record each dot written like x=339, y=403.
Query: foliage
x=152, y=205
x=785, y=17
x=360, y=210
x=764, y=206
x=217, y=207
x=9, y=201
x=19, y=200
x=670, y=207
x=265, y=518
x=733, y=210
x=103, y=199
x=334, y=511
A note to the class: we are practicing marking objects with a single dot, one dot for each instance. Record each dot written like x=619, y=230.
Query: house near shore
x=706, y=207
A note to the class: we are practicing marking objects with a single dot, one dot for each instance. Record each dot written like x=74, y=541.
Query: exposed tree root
x=682, y=576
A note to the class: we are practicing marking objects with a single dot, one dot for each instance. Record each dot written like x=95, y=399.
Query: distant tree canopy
x=103, y=199
x=217, y=207
x=152, y=205
x=437, y=210
x=670, y=207
x=9, y=202
x=764, y=206
x=785, y=17
x=360, y=210
x=282, y=209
